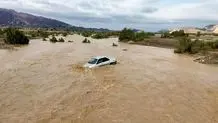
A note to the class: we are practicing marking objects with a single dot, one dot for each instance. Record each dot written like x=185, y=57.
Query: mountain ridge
x=12, y=18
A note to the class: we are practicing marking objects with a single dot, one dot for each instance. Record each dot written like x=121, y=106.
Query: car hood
x=87, y=65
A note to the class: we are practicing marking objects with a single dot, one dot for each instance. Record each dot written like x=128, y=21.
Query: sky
x=148, y=15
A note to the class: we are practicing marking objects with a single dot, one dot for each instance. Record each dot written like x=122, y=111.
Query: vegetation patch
x=61, y=40
x=86, y=41
x=208, y=59
x=127, y=35
x=14, y=36
x=53, y=39
x=186, y=45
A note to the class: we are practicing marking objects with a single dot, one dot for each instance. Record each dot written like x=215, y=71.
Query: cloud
x=118, y=13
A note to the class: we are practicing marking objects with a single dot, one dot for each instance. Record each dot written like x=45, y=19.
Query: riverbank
x=3, y=45
x=157, y=42
x=205, y=57
x=209, y=58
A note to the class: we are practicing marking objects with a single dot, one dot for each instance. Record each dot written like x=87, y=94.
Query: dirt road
x=45, y=83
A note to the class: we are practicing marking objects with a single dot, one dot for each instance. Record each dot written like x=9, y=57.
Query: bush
x=142, y=35
x=192, y=47
x=215, y=45
x=64, y=34
x=198, y=34
x=44, y=39
x=14, y=36
x=129, y=35
x=179, y=33
x=165, y=35
x=186, y=46
x=87, y=34
x=126, y=35
x=61, y=40
x=53, y=39
x=100, y=35
x=86, y=41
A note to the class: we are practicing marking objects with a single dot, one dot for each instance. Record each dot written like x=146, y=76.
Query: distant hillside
x=13, y=18
x=192, y=30
x=19, y=19
x=206, y=29
x=212, y=28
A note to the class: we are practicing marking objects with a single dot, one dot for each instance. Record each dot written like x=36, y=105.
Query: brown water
x=45, y=83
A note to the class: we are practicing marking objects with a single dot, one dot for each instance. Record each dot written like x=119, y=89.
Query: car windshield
x=93, y=61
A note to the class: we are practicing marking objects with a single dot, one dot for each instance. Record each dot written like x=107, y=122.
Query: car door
x=106, y=61
x=103, y=61
x=100, y=62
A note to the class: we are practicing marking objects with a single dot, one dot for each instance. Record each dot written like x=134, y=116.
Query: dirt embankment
x=5, y=46
x=157, y=42
x=210, y=58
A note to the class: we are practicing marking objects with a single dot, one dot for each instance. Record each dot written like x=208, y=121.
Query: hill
x=194, y=30
x=13, y=18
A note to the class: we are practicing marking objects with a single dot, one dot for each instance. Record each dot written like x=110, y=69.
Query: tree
x=126, y=35
x=14, y=36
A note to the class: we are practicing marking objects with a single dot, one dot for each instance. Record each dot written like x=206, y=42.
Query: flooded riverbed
x=45, y=83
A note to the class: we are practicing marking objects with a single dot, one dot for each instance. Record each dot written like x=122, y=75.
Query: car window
x=100, y=61
x=93, y=61
x=105, y=59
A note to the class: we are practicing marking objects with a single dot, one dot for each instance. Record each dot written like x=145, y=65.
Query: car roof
x=99, y=57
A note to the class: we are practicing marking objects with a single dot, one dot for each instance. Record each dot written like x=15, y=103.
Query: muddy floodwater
x=45, y=83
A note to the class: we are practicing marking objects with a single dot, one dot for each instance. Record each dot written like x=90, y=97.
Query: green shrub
x=100, y=35
x=180, y=33
x=187, y=46
x=198, y=34
x=129, y=35
x=126, y=35
x=165, y=35
x=215, y=45
x=140, y=36
x=87, y=34
x=14, y=36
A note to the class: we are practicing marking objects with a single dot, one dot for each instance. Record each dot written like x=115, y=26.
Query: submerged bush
x=53, y=39
x=14, y=36
x=44, y=39
x=61, y=40
x=86, y=41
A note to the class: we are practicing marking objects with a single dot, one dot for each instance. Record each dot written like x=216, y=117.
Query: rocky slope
x=13, y=18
